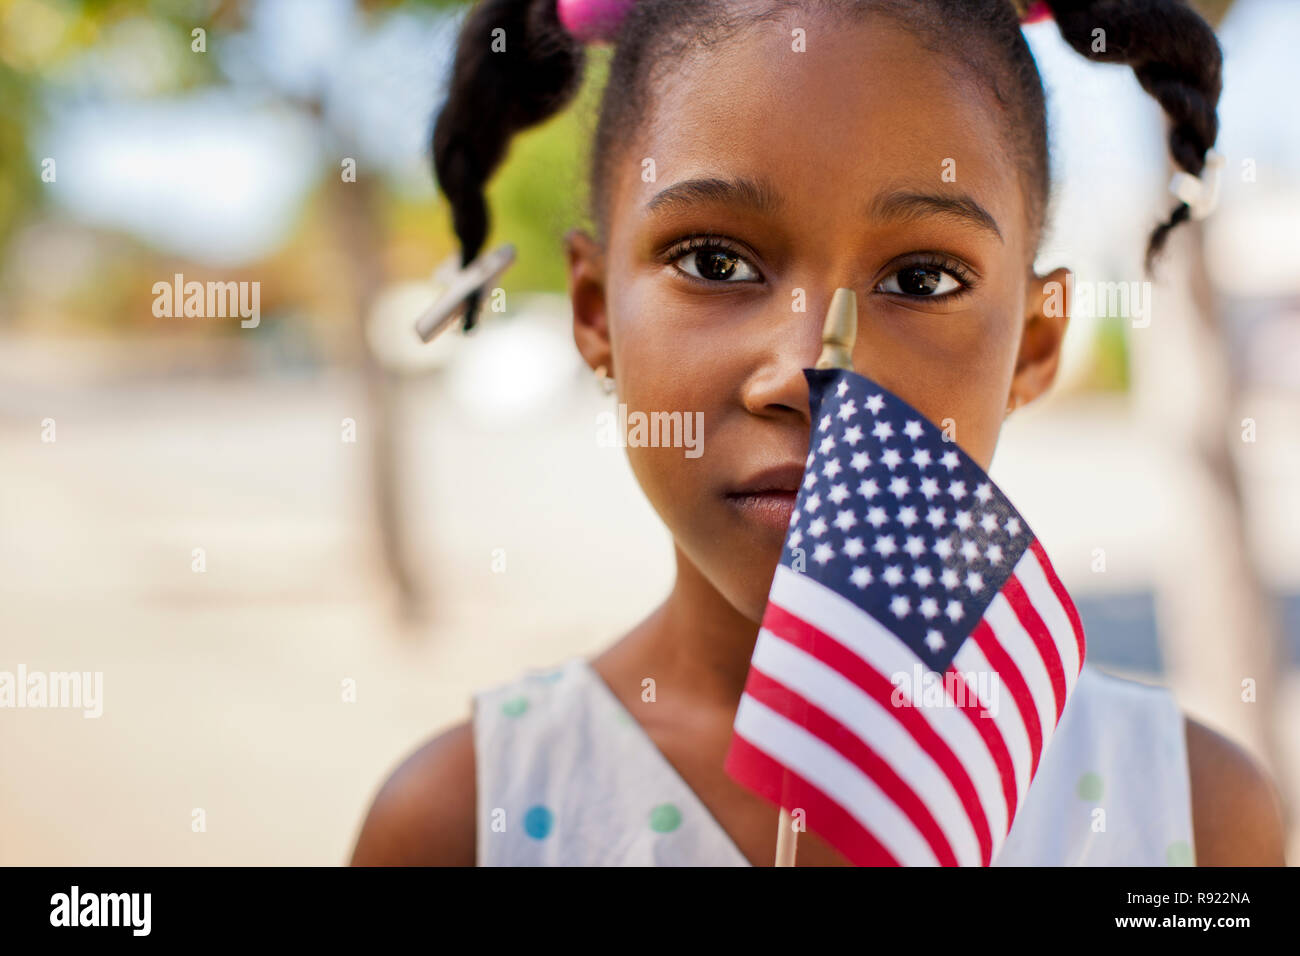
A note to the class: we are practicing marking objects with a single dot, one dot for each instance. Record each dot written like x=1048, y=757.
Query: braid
x=493, y=95
x=1176, y=58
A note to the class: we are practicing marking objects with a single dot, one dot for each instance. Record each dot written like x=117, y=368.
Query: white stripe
x=877, y=727
x=1008, y=722
x=1020, y=647
x=843, y=620
x=1029, y=572
x=823, y=767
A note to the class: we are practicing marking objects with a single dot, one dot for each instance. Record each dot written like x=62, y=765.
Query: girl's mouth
x=771, y=509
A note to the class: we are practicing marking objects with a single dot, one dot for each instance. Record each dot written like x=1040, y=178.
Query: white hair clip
x=1200, y=192
x=453, y=302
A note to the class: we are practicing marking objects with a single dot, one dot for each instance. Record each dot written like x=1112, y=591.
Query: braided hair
x=537, y=69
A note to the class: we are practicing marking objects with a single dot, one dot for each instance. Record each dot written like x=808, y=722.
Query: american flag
x=917, y=649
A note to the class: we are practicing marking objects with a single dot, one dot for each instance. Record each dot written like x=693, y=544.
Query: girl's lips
x=771, y=509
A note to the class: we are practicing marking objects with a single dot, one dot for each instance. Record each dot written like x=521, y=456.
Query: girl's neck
x=697, y=639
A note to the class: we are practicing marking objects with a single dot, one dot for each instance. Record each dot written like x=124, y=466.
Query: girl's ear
x=1047, y=312
x=586, y=263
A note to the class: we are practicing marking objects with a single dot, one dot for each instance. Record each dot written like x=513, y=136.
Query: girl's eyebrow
x=759, y=195
x=905, y=206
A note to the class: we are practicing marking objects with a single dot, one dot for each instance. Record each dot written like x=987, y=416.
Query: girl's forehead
x=863, y=112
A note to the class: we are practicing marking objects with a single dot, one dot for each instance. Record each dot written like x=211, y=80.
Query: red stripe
x=1033, y=624
x=753, y=768
x=799, y=710
x=988, y=729
x=836, y=656
x=1007, y=672
x=1063, y=596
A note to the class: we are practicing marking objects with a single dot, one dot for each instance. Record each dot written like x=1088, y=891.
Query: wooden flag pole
x=838, y=335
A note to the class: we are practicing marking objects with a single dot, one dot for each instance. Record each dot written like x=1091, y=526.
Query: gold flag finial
x=840, y=330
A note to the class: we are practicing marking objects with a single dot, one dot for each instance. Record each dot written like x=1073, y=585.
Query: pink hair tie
x=1037, y=11
x=593, y=21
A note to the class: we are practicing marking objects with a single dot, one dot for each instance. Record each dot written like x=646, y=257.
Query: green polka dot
x=665, y=818
x=1090, y=787
x=623, y=717
x=1178, y=853
x=515, y=706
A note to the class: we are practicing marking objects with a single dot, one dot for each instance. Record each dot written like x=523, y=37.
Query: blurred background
x=295, y=550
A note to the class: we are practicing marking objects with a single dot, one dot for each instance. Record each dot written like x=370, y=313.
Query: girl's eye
x=712, y=262
x=926, y=280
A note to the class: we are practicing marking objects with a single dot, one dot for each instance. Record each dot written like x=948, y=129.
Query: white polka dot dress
x=567, y=777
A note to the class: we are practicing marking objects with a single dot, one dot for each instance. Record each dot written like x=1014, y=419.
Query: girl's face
x=763, y=180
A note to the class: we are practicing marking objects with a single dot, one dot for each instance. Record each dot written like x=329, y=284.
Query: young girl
x=749, y=154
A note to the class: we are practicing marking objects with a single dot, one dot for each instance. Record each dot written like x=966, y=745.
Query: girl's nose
x=789, y=342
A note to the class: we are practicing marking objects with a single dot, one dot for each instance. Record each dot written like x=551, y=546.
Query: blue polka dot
x=538, y=821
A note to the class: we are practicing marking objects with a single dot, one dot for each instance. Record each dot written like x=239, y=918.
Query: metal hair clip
x=461, y=285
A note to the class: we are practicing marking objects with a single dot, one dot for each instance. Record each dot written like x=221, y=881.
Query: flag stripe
x=975, y=708
x=1062, y=596
x=796, y=707
x=821, y=766
x=1007, y=671
x=1007, y=720
x=873, y=685
x=750, y=766
x=864, y=730
x=1018, y=645
x=831, y=613
x=1032, y=578
x=1037, y=631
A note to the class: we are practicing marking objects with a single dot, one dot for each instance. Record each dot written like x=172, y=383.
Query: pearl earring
x=605, y=380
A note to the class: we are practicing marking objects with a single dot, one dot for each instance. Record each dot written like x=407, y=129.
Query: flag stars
x=848, y=410
x=876, y=516
x=813, y=503
x=883, y=430
x=827, y=444
x=994, y=554
x=923, y=576
x=974, y=582
x=875, y=403
x=795, y=538
x=950, y=460
x=845, y=520
x=891, y=459
x=948, y=578
x=884, y=545
x=1012, y=526
x=915, y=546
x=936, y=518
x=934, y=640
x=823, y=553
x=817, y=528
x=962, y=520
x=989, y=522
x=868, y=488
x=954, y=611
x=861, y=576
x=929, y=488
x=839, y=493
x=900, y=605
x=853, y=435
x=929, y=608
x=893, y=575
x=913, y=431
x=969, y=550
x=943, y=548
x=983, y=492
x=860, y=461
x=957, y=490
x=907, y=516
x=841, y=388
x=832, y=468
x=899, y=486
x=810, y=479
x=825, y=423
x=854, y=548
